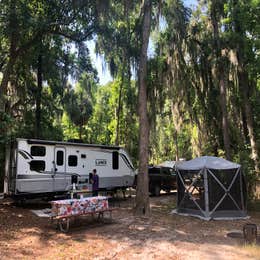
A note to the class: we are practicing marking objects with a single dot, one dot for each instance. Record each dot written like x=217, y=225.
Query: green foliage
x=183, y=88
x=69, y=130
x=102, y=118
x=5, y=120
x=102, y=124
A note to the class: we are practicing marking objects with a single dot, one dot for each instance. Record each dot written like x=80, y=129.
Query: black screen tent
x=211, y=188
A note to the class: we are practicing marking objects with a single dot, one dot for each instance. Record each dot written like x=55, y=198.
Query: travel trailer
x=40, y=168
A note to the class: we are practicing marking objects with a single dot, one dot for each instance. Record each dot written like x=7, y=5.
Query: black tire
x=20, y=202
x=168, y=191
x=156, y=190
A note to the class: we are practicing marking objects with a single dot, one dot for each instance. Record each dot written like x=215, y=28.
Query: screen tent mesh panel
x=230, y=188
x=191, y=191
x=226, y=193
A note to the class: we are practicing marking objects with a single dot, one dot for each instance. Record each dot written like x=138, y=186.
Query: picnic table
x=64, y=210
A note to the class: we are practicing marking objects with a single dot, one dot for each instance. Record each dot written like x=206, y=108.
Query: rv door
x=59, y=165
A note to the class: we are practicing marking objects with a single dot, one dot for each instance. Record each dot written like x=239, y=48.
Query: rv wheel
x=20, y=202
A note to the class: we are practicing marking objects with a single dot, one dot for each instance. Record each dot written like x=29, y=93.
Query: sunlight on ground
x=253, y=250
x=162, y=236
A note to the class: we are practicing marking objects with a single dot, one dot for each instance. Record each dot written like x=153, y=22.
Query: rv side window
x=23, y=155
x=126, y=161
x=73, y=160
x=115, y=157
x=60, y=158
x=37, y=165
x=38, y=151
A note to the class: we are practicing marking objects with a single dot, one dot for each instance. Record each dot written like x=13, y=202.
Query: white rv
x=43, y=168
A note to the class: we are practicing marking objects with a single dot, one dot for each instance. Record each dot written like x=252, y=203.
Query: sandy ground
x=24, y=235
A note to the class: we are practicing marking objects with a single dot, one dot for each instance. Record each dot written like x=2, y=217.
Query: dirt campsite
x=24, y=235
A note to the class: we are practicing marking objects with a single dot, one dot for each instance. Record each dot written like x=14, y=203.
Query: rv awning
x=209, y=162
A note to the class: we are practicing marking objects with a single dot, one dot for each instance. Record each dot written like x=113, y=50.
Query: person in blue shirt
x=95, y=183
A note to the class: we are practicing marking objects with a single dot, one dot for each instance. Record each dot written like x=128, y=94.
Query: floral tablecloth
x=79, y=206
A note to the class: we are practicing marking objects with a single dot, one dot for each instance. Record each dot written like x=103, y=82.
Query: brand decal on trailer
x=101, y=162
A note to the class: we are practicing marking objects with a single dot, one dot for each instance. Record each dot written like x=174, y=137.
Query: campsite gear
x=74, y=180
x=64, y=210
x=211, y=188
x=41, y=168
x=235, y=234
x=79, y=193
x=78, y=206
x=250, y=233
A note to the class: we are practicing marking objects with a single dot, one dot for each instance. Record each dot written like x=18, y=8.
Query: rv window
x=36, y=165
x=60, y=158
x=115, y=156
x=73, y=160
x=126, y=161
x=23, y=155
x=38, y=151
x=83, y=156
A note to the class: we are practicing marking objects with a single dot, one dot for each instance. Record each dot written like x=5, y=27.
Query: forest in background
x=203, y=85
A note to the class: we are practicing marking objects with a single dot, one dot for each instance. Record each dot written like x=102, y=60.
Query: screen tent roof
x=209, y=162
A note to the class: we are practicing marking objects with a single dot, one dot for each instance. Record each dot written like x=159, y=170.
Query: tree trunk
x=131, y=106
x=81, y=119
x=243, y=86
x=225, y=124
x=4, y=82
x=142, y=207
x=13, y=38
x=80, y=130
x=177, y=146
x=38, y=99
x=117, y=141
x=243, y=82
x=7, y=167
x=222, y=83
x=244, y=126
x=119, y=108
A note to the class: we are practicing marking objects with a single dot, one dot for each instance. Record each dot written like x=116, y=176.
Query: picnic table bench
x=65, y=210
